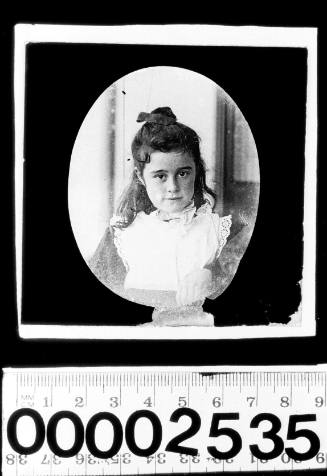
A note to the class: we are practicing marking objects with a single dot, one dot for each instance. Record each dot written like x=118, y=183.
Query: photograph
x=181, y=186
x=165, y=307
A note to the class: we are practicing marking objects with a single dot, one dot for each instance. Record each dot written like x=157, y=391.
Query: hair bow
x=157, y=118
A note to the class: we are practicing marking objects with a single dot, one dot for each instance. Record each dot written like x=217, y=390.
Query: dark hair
x=161, y=132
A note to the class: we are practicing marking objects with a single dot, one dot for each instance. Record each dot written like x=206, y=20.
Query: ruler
x=117, y=421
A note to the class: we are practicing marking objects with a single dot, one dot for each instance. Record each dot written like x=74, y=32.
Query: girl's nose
x=172, y=185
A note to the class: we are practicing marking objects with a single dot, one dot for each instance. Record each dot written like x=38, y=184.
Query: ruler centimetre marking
x=117, y=421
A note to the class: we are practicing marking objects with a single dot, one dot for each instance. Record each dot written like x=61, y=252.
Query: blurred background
x=101, y=162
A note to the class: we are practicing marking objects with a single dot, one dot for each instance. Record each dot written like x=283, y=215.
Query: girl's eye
x=160, y=177
x=184, y=173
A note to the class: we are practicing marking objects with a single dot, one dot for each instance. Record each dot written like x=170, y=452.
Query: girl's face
x=169, y=180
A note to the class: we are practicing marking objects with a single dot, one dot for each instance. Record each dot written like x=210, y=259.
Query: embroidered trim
x=224, y=231
x=116, y=219
x=204, y=209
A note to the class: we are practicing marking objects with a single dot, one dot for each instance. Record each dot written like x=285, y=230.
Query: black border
x=286, y=351
x=178, y=359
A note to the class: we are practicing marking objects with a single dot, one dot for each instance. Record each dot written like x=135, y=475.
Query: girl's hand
x=195, y=287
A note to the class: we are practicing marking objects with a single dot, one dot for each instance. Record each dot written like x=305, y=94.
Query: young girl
x=164, y=243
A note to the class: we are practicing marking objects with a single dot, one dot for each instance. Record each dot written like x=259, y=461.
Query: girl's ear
x=139, y=176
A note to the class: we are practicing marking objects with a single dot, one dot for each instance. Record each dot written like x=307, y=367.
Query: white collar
x=186, y=215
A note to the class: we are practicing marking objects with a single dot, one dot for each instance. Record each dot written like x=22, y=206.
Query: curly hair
x=161, y=132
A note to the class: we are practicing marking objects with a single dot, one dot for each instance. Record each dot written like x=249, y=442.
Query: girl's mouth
x=173, y=198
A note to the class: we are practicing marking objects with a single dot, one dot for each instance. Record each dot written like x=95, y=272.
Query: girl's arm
x=224, y=268
x=106, y=263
